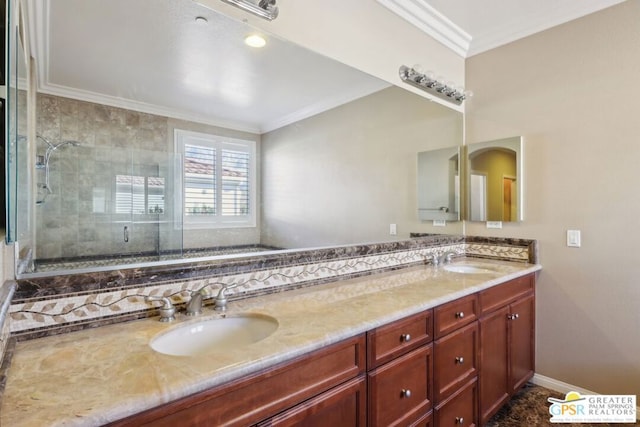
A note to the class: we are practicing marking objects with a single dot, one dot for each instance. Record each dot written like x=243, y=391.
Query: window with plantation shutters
x=139, y=195
x=218, y=180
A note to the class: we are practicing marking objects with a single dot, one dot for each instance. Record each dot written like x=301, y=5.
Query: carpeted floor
x=529, y=408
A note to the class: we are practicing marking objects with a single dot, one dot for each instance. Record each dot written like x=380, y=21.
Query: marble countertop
x=95, y=376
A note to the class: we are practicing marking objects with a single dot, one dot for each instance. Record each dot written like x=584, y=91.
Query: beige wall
x=572, y=92
x=343, y=176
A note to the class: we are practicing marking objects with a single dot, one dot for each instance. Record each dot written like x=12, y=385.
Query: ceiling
x=154, y=56
x=469, y=27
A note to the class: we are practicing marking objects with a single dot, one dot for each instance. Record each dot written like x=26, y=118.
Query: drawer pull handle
x=459, y=420
x=405, y=393
x=405, y=337
x=460, y=315
x=459, y=360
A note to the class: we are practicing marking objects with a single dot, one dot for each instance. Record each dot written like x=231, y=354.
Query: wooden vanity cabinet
x=454, y=365
x=257, y=397
x=507, y=349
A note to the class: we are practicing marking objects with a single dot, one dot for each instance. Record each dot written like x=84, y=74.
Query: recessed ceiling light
x=201, y=20
x=255, y=40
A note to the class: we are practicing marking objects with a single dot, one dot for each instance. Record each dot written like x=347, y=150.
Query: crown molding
x=432, y=22
x=143, y=107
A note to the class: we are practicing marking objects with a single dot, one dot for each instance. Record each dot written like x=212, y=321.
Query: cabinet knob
x=405, y=337
x=513, y=316
x=459, y=314
x=459, y=360
x=405, y=393
x=459, y=420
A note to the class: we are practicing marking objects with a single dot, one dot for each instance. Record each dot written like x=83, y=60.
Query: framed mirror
x=439, y=184
x=335, y=147
x=494, y=180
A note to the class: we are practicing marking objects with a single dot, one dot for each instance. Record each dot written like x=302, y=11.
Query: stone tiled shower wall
x=78, y=217
x=90, y=306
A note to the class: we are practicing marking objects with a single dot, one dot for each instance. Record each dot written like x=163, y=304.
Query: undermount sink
x=467, y=269
x=219, y=334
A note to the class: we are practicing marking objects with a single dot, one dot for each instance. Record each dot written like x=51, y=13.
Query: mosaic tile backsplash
x=42, y=313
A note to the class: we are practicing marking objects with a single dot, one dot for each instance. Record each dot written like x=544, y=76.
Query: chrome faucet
x=433, y=258
x=194, y=306
x=446, y=257
x=167, y=311
x=221, y=298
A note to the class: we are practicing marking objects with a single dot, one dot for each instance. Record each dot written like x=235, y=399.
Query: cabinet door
x=493, y=387
x=522, y=342
x=400, y=391
x=455, y=361
x=343, y=406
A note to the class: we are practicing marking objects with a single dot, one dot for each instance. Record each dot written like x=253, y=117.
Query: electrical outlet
x=439, y=223
x=393, y=230
x=494, y=224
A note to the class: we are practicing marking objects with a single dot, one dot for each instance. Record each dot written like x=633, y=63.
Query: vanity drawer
x=461, y=409
x=400, y=392
x=501, y=295
x=390, y=341
x=455, y=314
x=455, y=361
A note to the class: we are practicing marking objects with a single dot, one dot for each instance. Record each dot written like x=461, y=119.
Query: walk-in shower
x=44, y=189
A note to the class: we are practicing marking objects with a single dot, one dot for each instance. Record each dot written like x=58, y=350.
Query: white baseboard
x=562, y=387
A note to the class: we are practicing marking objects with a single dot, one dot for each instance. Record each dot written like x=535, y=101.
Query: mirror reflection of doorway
x=478, y=192
x=509, y=198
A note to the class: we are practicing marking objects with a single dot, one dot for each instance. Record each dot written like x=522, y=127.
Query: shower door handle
x=126, y=234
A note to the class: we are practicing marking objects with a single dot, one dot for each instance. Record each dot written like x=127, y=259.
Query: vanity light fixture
x=255, y=40
x=435, y=86
x=266, y=9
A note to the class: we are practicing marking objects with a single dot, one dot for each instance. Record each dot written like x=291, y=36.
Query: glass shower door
x=144, y=227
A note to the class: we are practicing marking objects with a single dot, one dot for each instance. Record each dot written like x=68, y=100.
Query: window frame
x=219, y=142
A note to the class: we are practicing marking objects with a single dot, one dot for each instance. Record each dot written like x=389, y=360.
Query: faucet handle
x=221, y=298
x=167, y=311
x=224, y=288
x=448, y=256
